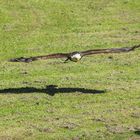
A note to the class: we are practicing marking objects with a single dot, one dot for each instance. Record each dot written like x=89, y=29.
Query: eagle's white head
x=76, y=56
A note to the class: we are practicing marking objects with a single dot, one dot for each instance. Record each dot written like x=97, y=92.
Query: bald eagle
x=75, y=56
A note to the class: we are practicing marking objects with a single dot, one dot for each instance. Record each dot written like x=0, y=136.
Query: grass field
x=97, y=98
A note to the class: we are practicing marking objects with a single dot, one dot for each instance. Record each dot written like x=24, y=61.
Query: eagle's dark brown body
x=75, y=56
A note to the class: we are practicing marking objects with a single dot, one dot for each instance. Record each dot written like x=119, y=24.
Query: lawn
x=97, y=98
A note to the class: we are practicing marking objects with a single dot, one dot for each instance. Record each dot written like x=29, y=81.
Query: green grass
x=33, y=27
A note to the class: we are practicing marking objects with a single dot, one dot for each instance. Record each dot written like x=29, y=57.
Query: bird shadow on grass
x=50, y=90
x=137, y=132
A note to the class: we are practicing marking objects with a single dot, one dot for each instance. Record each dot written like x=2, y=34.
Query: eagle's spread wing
x=73, y=55
x=30, y=59
x=111, y=50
